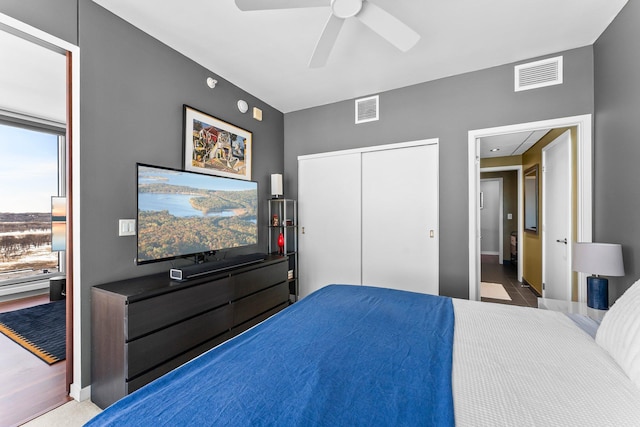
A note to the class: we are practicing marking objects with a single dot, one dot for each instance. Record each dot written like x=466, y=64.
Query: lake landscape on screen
x=182, y=213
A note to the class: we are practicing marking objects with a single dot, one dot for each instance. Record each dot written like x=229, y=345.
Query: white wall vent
x=533, y=75
x=367, y=109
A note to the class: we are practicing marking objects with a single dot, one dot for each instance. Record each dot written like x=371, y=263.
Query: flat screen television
x=184, y=213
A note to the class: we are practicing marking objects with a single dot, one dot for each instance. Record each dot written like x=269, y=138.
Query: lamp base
x=598, y=293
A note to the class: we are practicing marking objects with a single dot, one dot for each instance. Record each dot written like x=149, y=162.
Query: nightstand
x=571, y=307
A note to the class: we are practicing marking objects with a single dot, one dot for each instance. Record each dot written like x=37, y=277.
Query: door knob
x=562, y=241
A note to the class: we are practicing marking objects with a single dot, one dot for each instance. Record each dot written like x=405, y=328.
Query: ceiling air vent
x=547, y=72
x=367, y=109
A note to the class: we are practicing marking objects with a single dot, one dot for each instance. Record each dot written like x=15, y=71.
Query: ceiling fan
x=379, y=20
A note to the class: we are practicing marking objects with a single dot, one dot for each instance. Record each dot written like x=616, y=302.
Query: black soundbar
x=211, y=267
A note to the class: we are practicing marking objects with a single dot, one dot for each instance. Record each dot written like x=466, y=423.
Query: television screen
x=183, y=213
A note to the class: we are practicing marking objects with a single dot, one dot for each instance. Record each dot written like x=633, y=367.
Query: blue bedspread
x=343, y=356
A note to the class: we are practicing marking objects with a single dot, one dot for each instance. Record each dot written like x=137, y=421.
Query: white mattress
x=515, y=366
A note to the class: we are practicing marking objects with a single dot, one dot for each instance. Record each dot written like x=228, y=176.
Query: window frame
x=58, y=129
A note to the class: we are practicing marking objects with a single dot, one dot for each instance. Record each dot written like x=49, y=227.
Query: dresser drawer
x=260, y=302
x=252, y=322
x=154, y=313
x=168, y=366
x=154, y=349
x=258, y=279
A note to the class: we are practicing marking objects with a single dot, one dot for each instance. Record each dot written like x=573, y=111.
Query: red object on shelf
x=281, y=243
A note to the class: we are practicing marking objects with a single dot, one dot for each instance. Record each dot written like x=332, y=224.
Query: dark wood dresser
x=146, y=326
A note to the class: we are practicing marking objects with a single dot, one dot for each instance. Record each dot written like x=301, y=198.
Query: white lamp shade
x=603, y=259
x=276, y=184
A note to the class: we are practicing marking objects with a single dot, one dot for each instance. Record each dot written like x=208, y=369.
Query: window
x=31, y=172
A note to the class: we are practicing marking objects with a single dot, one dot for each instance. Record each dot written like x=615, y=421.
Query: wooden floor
x=28, y=386
x=507, y=275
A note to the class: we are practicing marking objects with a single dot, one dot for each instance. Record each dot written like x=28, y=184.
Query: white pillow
x=619, y=332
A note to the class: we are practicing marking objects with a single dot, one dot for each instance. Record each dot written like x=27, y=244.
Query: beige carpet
x=493, y=290
x=71, y=414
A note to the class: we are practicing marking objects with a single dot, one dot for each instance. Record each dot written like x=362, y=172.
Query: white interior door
x=400, y=218
x=329, y=221
x=556, y=218
x=491, y=217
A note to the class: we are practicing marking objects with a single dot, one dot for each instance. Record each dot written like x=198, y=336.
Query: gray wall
x=617, y=145
x=58, y=18
x=446, y=109
x=132, y=91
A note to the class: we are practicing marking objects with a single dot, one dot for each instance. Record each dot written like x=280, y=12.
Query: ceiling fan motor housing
x=346, y=8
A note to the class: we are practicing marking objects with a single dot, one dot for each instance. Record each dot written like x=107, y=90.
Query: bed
x=358, y=355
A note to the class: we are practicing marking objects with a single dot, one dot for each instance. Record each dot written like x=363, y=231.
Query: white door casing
x=556, y=218
x=584, y=162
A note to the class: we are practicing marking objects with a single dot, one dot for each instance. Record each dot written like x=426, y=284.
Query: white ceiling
x=510, y=144
x=32, y=79
x=266, y=52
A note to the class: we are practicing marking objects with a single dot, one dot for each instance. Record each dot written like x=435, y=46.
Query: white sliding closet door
x=400, y=218
x=329, y=221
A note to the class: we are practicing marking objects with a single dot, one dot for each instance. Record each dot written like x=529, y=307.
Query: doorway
x=69, y=57
x=500, y=268
x=583, y=233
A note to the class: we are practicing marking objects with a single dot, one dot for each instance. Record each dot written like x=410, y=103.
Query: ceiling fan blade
x=388, y=26
x=245, y=5
x=326, y=42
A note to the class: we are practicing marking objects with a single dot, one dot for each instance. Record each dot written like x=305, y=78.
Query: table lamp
x=598, y=259
x=276, y=185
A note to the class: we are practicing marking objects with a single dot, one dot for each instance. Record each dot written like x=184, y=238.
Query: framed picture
x=215, y=147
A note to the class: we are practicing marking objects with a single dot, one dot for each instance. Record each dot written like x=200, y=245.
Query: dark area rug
x=40, y=329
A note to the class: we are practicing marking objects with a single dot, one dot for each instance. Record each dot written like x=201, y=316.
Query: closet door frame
x=311, y=260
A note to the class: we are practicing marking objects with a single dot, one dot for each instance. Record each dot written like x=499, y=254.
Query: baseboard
x=79, y=393
x=528, y=285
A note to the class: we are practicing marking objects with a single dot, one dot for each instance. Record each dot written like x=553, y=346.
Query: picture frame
x=215, y=147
